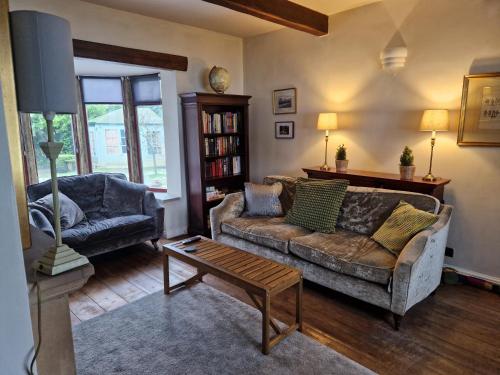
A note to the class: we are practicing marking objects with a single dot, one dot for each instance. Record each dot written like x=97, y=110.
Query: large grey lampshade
x=43, y=62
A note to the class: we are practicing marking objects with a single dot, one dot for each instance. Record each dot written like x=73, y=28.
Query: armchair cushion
x=122, y=198
x=346, y=252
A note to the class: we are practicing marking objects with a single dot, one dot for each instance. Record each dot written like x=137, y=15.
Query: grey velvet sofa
x=118, y=213
x=347, y=261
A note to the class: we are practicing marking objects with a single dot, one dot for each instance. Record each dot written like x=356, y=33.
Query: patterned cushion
x=266, y=231
x=317, y=204
x=365, y=209
x=348, y=253
x=404, y=222
x=263, y=200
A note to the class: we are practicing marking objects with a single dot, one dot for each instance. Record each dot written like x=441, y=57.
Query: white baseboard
x=482, y=276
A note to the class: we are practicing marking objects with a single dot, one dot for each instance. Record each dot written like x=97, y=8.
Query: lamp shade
x=43, y=63
x=327, y=121
x=435, y=120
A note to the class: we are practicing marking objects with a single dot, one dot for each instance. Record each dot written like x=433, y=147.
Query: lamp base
x=325, y=167
x=59, y=259
x=429, y=177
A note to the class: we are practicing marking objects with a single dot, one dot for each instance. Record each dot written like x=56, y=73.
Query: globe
x=219, y=79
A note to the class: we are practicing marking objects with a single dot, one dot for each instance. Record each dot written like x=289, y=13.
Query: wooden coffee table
x=261, y=278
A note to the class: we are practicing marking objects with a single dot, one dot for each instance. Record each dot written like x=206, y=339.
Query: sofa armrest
x=39, y=220
x=419, y=266
x=231, y=207
x=153, y=208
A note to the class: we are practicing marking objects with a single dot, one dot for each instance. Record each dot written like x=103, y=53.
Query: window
x=149, y=118
x=103, y=100
x=66, y=164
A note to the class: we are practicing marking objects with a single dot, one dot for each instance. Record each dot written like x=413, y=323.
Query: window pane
x=151, y=134
x=63, y=129
x=101, y=90
x=146, y=89
x=107, y=137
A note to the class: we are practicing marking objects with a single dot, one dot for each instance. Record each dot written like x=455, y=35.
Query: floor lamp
x=45, y=83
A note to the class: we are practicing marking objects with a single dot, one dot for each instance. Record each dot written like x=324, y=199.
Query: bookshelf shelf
x=213, y=124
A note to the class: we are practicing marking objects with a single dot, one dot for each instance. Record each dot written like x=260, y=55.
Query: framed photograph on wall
x=284, y=129
x=480, y=112
x=285, y=101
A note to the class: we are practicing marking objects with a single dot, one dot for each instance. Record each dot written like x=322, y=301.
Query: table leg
x=166, y=275
x=266, y=313
x=298, y=304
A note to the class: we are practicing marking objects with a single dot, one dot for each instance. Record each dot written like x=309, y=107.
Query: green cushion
x=404, y=222
x=317, y=204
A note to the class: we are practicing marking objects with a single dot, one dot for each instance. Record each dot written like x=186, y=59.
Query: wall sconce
x=394, y=58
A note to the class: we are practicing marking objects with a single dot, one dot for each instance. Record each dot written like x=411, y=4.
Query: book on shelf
x=213, y=194
x=222, y=146
x=220, y=123
x=223, y=167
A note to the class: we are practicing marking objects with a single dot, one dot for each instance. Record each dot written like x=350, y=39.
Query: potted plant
x=341, y=159
x=406, y=167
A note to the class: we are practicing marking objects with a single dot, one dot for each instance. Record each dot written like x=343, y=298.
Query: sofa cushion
x=404, y=222
x=97, y=230
x=70, y=213
x=122, y=197
x=266, y=231
x=287, y=195
x=317, y=204
x=348, y=253
x=365, y=209
x=263, y=200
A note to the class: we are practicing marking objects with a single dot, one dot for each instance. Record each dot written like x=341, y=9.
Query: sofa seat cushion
x=98, y=230
x=348, y=253
x=266, y=231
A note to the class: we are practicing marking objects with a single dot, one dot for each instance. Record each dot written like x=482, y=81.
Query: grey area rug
x=195, y=331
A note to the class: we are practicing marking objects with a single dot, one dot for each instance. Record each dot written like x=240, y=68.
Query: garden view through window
x=63, y=127
x=107, y=138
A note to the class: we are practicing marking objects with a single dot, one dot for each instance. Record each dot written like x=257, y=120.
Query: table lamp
x=433, y=120
x=45, y=83
x=326, y=122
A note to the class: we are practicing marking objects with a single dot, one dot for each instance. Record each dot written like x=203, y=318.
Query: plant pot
x=341, y=165
x=407, y=172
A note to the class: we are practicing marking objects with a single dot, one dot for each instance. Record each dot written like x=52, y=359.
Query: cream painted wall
x=202, y=47
x=379, y=113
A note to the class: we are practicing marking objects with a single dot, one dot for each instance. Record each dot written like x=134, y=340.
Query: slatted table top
x=237, y=266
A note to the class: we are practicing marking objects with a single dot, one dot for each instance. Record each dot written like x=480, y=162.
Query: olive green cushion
x=404, y=222
x=317, y=204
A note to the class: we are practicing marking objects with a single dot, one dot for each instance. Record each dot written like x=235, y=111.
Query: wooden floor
x=455, y=332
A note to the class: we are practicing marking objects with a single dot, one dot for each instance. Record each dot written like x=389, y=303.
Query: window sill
x=165, y=196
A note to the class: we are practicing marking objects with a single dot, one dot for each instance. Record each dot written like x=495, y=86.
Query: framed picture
x=285, y=101
x=480, y=112
x=284, y=129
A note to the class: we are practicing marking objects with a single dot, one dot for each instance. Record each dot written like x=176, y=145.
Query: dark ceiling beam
x=107, y=52
x=283, y=12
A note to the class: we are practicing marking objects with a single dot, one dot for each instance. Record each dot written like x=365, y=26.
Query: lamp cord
x=39, y=323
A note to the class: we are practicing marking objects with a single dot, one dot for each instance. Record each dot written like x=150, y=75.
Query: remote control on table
x=190, y=249
x=191, y=240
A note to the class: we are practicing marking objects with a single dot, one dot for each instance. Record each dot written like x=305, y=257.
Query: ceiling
x=213, y=17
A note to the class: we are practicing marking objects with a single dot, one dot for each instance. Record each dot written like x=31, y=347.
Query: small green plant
x=406, y=158
x=341, y=153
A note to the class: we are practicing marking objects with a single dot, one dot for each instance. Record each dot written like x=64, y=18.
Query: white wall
x=380, y=113
x=203, y=49
x=16, y=339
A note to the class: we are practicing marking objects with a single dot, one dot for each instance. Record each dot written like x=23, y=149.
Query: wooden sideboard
x=383, y=180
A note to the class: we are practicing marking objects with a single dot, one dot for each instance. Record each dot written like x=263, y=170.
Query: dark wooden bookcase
x=200, y=165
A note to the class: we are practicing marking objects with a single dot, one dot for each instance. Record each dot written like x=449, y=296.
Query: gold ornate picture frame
x=480, y=112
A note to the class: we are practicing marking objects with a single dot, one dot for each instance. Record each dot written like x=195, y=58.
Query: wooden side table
x=383, y=180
